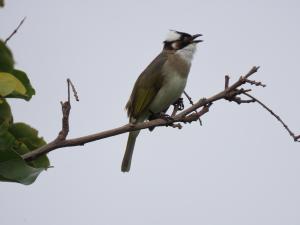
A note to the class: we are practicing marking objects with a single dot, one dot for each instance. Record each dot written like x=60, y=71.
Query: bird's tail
x=129, y=150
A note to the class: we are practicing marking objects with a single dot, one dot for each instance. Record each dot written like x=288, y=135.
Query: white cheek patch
x=174, y=45
x=172, y=36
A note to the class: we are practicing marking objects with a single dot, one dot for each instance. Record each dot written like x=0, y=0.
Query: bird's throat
x=187, y=53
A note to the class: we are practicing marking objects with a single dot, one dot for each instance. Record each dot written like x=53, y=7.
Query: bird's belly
x=168, y=94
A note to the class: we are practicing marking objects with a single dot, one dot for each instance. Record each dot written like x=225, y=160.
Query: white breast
x=174, y=83
x=171, y=90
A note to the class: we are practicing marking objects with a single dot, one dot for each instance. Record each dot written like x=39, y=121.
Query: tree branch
x=295, y=137
x=15, y=31
x=192, y=103
x=188, y=115
x=66, y=108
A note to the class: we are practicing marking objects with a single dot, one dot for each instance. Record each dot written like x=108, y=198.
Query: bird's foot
x=167, y=118
x=179, y=104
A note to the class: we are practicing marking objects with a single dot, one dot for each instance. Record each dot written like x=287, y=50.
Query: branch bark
x=15, y=30
x=191, y=114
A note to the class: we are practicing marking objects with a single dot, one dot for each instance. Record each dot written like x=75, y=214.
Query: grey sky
x=240, y=167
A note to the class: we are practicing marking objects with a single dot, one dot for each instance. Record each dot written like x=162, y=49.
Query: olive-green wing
x=146, y=87
x=144, y=97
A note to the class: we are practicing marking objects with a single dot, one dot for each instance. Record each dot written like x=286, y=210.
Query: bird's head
x=176, y=40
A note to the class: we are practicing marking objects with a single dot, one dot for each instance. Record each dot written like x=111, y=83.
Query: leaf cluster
x=16, y=138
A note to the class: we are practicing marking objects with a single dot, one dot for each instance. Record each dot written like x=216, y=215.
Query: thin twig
x=253, y=70
x=196, y=115
x=15, y=31
x=73, y=89
x=256, y=83
x=188, y=97
x=192, y=103
x=227, y=78
x=232, y=96
x=239, y=101
x=66, y=108
x=295, y=137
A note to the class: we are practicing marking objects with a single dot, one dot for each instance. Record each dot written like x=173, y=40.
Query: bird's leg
x=179, y=104
x=153, y=116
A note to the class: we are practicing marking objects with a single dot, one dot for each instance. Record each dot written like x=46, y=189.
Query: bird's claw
x=166, y=117
x=179, y=104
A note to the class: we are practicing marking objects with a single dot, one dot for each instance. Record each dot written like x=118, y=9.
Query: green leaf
x=14, y=169
x=6, y=58
x=16, y=139
x=5, y=115
x=22, y=77
x=1, y=3
x=28, y=140
x=7, y=141
x=20, y=87
x=27, y=134
x=10, y=84
x=5, y=179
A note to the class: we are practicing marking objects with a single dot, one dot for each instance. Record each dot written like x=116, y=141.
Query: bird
x=160, y=84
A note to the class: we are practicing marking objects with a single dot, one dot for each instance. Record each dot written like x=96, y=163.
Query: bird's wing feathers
x=146, y=87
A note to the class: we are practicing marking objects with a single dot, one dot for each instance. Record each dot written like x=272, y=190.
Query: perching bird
x=160, y=84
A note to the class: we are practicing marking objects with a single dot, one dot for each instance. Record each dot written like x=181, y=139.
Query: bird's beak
x=194, y=37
